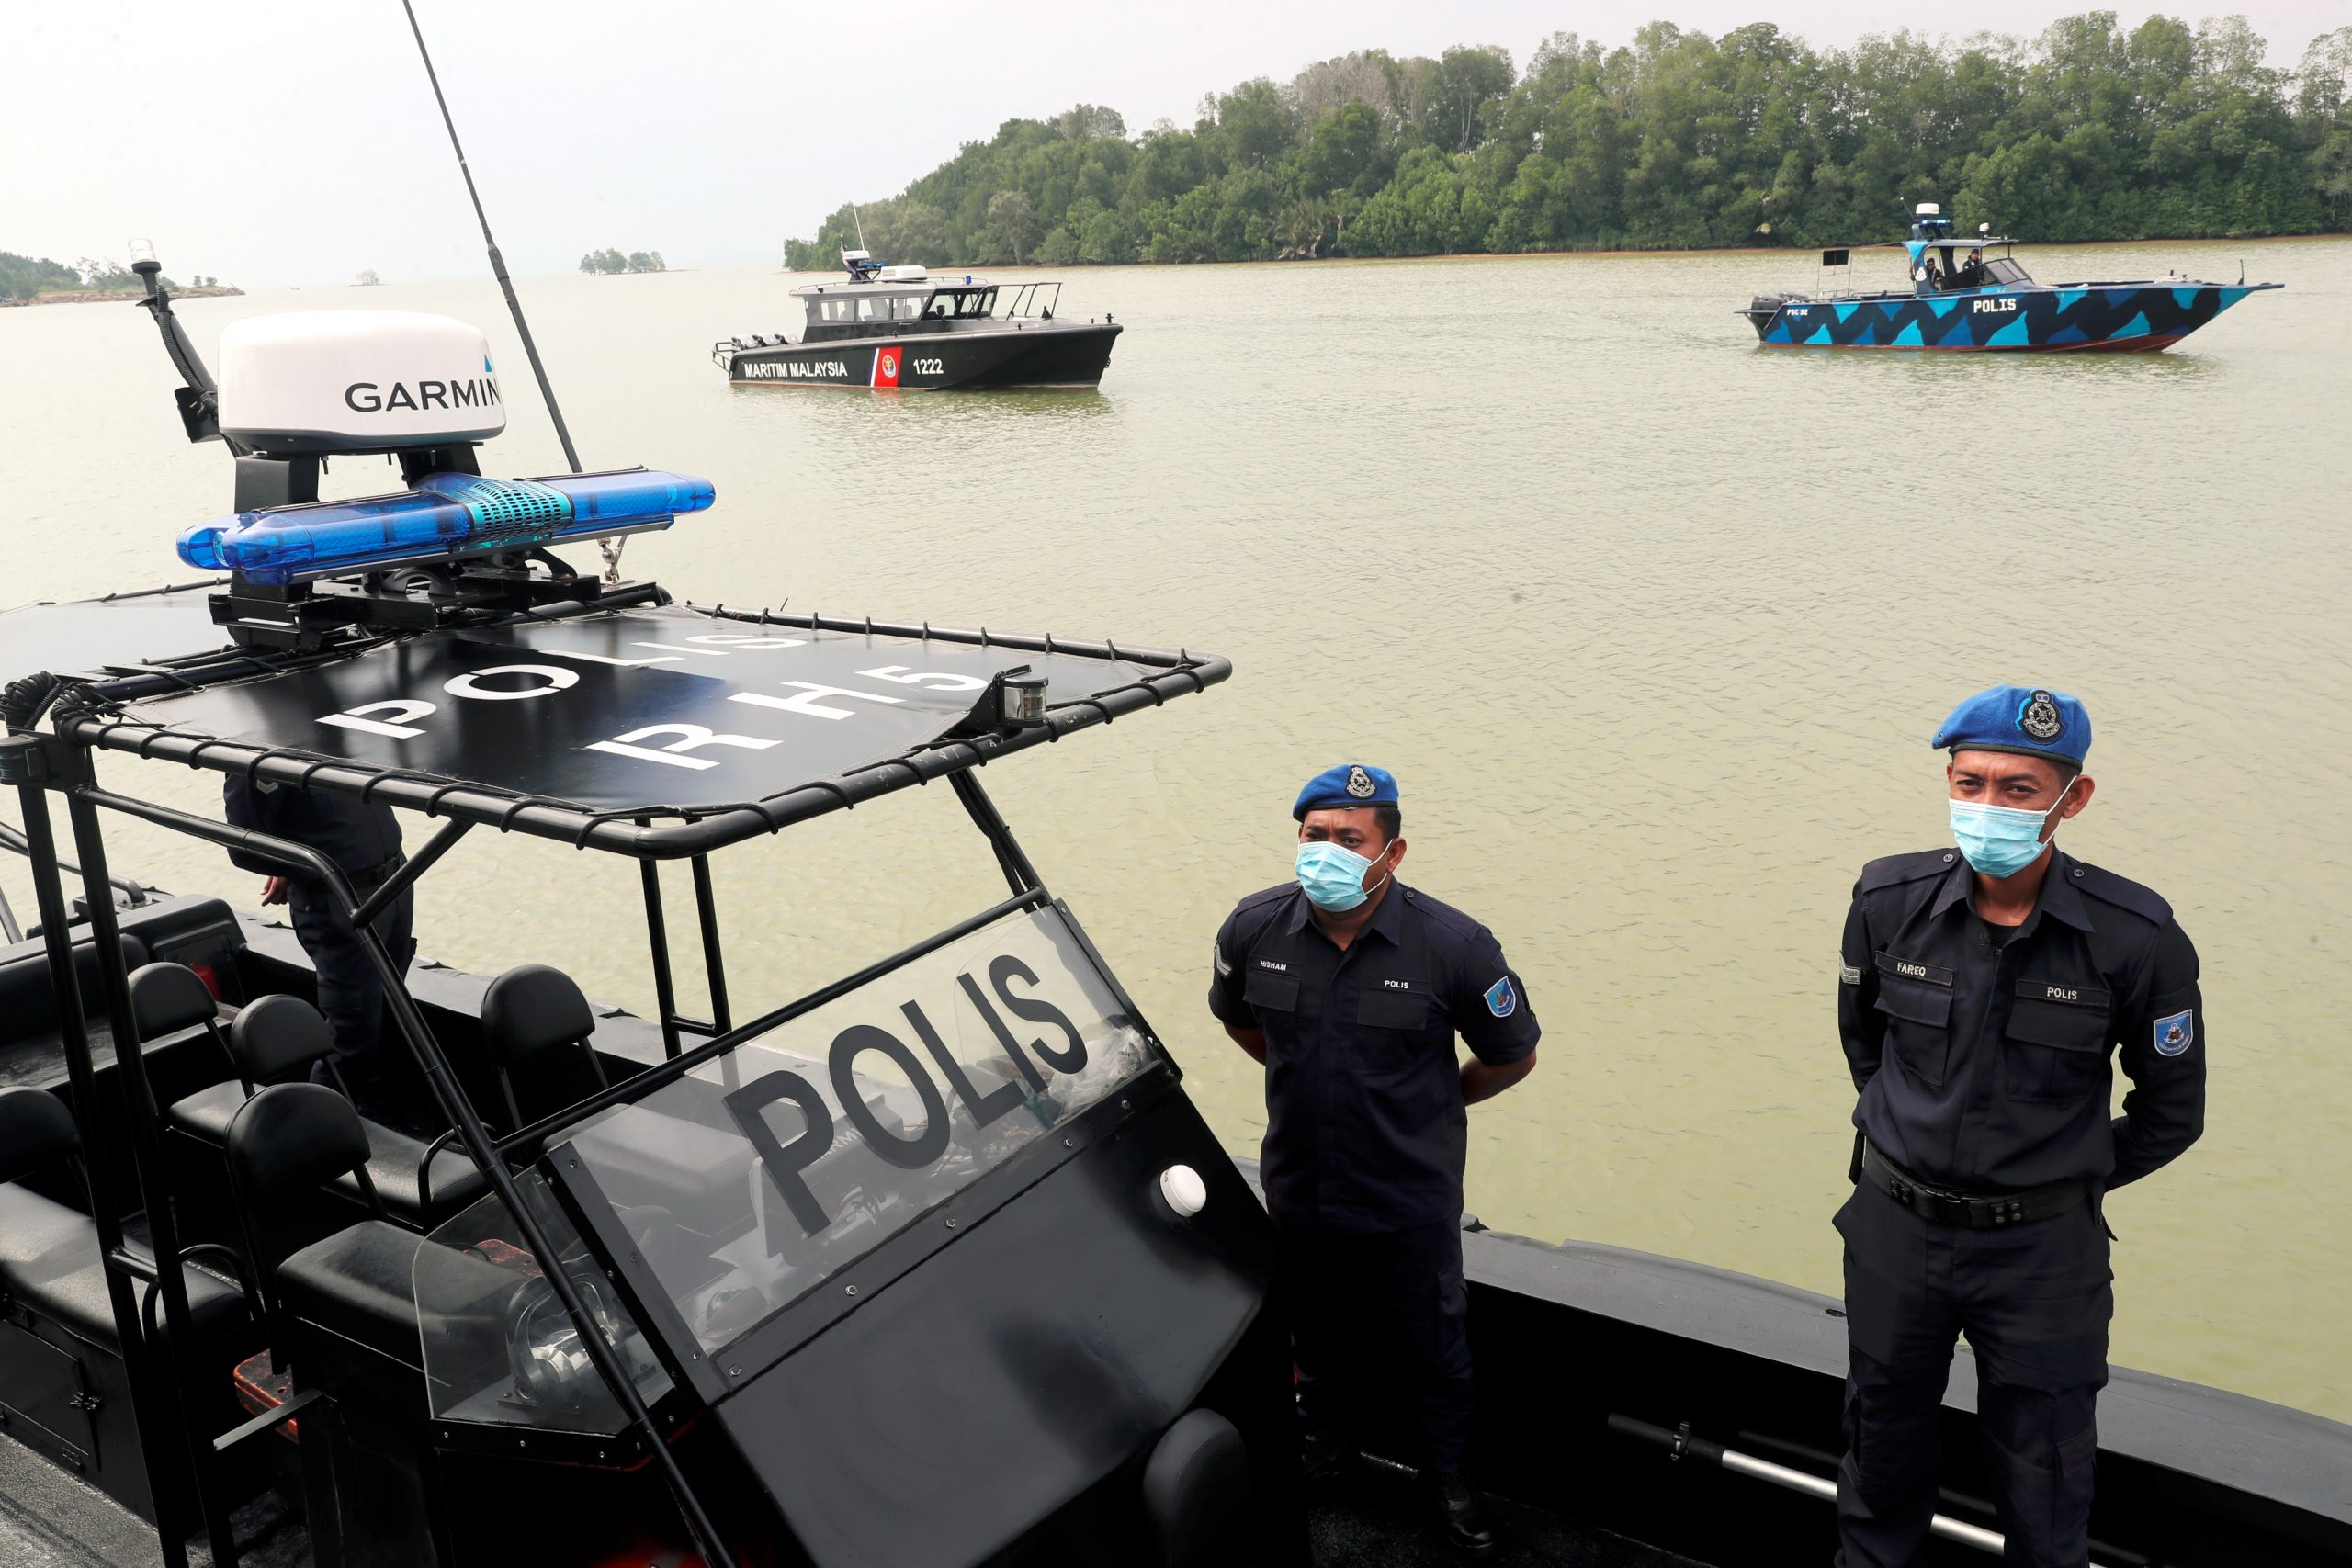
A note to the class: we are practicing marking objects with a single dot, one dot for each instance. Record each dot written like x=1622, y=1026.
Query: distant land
x=37, y=280
x=1676, y=140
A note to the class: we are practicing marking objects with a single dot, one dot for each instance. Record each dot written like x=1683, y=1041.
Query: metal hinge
x=89, y=1401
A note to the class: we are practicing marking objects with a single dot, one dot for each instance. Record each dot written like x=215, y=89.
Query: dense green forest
x=2089, y=131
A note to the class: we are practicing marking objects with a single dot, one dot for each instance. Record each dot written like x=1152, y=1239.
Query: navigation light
x=446, y=517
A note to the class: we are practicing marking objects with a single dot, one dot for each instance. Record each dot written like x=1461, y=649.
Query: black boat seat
x=50, y=1254
x=281, y=1039
x=359, y=1283
x=537, y=1025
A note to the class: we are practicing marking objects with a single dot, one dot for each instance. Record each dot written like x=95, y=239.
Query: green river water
x=1653, y=626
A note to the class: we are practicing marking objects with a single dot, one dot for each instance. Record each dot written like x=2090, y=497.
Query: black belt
x=1982, y=1212
x=376, y=874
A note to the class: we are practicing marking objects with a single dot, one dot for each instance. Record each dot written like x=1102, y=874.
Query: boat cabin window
x=836, y=309
x=874, y=308
x=962, y=302
x=907, y=308
x=2005, y=271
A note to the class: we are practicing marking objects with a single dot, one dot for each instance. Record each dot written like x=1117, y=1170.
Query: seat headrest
x=292, y=1135
x=36, y=1132
x=166, y=998
x=532, y=1009
x=276, y=1035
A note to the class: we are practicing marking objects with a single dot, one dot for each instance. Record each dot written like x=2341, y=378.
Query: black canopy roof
x=119, y=632
x=655, y=730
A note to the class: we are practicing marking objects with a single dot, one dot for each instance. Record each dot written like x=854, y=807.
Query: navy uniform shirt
x=1983, y=1053
x=362, y=836
x=1365, y=1126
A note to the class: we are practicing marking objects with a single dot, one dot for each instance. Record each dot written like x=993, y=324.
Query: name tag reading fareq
x=1907, y=969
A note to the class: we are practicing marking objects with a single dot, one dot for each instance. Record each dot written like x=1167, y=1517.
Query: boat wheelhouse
x=1962, y=297
x=899, y=327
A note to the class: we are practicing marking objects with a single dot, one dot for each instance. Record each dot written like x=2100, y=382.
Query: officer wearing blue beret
x=1986, y=992
x=1351, y=987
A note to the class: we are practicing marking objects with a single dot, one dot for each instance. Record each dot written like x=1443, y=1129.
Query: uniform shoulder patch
x=2123, y=893
x=1501, y=1000
x=2177, y=1033
x=1895, y=870
x=1849, y=974
x=1216, y=955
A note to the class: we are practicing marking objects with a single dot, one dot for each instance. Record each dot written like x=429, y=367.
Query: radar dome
x=335, y=382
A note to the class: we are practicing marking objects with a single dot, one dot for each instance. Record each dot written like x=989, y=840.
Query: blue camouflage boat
x=1961, y=299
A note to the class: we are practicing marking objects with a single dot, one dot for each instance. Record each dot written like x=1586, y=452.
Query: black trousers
x=2035, y=1302
x=1379, y=1328
x=374, y=1063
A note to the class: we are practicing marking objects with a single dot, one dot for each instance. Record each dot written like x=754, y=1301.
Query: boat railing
x=1038, y=299
x=15, y=843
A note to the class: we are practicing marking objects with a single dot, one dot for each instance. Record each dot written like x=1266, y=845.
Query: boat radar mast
x=298, y=390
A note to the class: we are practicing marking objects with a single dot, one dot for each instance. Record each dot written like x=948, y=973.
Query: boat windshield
x=760, y=1173
x=964, y=303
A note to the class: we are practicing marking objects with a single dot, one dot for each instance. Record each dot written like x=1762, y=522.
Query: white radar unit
x=327, y=382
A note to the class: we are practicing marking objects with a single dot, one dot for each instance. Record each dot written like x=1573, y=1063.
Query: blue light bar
x=447, y=515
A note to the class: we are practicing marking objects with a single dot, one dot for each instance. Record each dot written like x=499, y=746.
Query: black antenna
x=497, y=262
x=611, y=548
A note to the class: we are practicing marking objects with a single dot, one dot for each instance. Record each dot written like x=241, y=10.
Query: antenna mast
x=611, y=548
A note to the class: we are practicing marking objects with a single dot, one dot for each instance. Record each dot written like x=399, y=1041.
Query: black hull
x=1566, y=1338
x=1029, y=353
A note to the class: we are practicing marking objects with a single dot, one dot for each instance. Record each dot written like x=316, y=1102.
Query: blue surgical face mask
x=2001, y=840
x=1333, y=876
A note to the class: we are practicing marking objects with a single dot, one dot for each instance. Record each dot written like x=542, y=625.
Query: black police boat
x=900, y=328
x=934, y=1266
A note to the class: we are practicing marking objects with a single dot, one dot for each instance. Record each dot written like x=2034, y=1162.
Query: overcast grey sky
x=294, y=140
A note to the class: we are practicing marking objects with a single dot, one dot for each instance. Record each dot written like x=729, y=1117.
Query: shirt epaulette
x=1445, y=915
x=1893, y=870
x=2123, y=893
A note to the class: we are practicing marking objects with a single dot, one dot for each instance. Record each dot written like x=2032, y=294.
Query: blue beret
x=1350, y=783
x=2033, y=721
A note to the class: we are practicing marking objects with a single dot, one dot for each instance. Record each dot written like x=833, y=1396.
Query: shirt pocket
x=1919, y=1028
x=1269, y=992
x=2057, y=1051
x=1394, y=1028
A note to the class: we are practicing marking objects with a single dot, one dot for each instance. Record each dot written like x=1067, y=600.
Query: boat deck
x=1377, y=1518
x=49, y=1518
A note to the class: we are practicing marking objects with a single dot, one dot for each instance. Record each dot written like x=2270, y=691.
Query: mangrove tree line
x=2089, y=131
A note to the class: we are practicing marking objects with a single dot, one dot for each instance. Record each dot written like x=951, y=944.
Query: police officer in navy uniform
x=1351, y=987
x=364, y=839
x=1983, y=989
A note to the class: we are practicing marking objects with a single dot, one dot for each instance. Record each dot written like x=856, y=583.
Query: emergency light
x=448, y=515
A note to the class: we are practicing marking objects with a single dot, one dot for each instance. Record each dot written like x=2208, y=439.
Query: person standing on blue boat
x=1351, y=987
x=1982, y=990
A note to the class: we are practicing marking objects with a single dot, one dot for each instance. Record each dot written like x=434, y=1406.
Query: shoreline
x=121, y=295
x=1609, y=255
